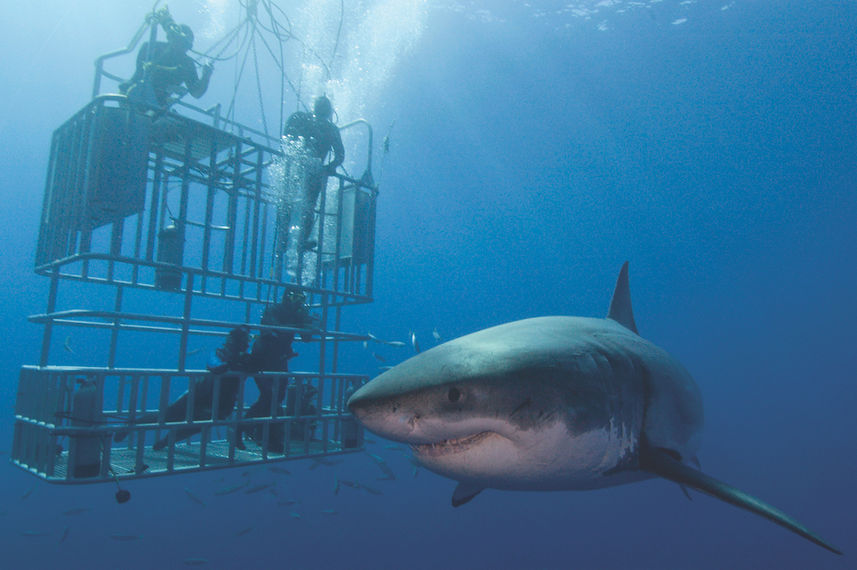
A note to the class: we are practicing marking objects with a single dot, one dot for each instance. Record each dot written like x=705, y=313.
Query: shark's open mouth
x=449, y=445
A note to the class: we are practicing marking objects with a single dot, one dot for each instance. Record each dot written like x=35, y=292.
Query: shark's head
x=514, y=406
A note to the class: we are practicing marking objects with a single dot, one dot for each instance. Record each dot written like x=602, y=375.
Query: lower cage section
x=86, y=425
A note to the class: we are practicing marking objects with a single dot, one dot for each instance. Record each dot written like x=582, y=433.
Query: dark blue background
x=531, y=155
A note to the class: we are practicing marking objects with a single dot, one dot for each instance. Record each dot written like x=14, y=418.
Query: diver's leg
x=313, y=189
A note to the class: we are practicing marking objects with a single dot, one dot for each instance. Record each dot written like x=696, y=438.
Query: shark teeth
x=449, y=445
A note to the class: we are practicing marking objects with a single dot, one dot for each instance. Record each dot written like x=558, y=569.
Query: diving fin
x=662, y=463
x=463, y=493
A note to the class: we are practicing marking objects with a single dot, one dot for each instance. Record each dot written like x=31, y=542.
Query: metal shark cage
x=159, y=234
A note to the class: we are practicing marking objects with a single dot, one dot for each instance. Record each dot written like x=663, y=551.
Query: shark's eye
x=454, y=394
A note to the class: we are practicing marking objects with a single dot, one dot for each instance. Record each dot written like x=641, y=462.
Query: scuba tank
x=170, y=250
x=352, y=433
x=84, y=451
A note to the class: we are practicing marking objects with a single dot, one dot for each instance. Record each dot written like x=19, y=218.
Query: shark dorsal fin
x=620, y=305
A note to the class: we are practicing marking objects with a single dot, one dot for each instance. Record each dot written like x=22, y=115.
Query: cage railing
x=83, y=425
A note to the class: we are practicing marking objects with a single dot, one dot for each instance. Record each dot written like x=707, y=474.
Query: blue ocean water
x=533, y=148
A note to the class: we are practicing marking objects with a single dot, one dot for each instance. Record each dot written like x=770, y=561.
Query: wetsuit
x=169, y=68
x=271, y=353
x=319, y=137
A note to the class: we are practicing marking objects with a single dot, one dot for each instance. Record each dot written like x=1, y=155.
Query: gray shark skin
x=551, y=403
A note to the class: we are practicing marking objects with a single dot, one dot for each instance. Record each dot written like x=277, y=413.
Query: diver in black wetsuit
x=163, y=67
x=232, y=356
x=319, y=136
x=271, y=352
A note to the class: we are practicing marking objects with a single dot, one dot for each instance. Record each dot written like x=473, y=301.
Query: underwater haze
x=531, y=148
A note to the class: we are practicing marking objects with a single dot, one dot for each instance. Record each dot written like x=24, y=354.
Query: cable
x=259, y=89
x=338, y=32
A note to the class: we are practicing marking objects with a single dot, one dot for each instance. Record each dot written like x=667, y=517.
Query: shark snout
x=386, y=417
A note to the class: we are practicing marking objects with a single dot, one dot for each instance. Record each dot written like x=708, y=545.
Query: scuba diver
x=270, y=352
x=232, y=355
x=319, y=136
x=162, y=67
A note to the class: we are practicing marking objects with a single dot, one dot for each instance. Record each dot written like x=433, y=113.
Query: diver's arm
x=164, y=18
x=338, y=149
x=198, y=86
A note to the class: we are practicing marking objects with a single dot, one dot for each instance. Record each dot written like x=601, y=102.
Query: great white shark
x=551, y=403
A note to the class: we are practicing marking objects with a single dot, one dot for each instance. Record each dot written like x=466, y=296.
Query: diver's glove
x=162, y=16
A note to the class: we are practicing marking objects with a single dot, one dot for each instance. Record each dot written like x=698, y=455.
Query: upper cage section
x=142, y=199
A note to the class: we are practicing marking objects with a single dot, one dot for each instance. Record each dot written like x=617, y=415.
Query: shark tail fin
x=662, y=463
x=620, y=305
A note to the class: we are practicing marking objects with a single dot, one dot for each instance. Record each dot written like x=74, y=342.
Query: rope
x=259, y=89
x=338, y=32
x=231, y=110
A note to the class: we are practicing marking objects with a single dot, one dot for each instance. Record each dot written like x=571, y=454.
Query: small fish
x=328, y=511
x=371, y=490
x=32, y=533
x=414, y=342
x=76, y=511
x=372, y=336
x=194, y=351
x=396, y=343
x=386, y=144
x=348, y=483
x=124, y=537
x=195, y=561
x=335, y=485
x=244, y=531
x=257, y=488
x=193, y=497
x=415, y=471
x=28, y=492
x=280, y=470
x=378, y=357
x=229, y=490
x=294, y=515
x=67, y=345
x=316, y=461
x=287, y=502
x=65, y=534
x=382, y=465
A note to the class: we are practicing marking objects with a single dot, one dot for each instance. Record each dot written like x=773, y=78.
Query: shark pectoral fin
x=463, y=493
x=660, y=462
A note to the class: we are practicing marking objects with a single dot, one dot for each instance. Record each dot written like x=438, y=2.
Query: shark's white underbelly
x=546, y=459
